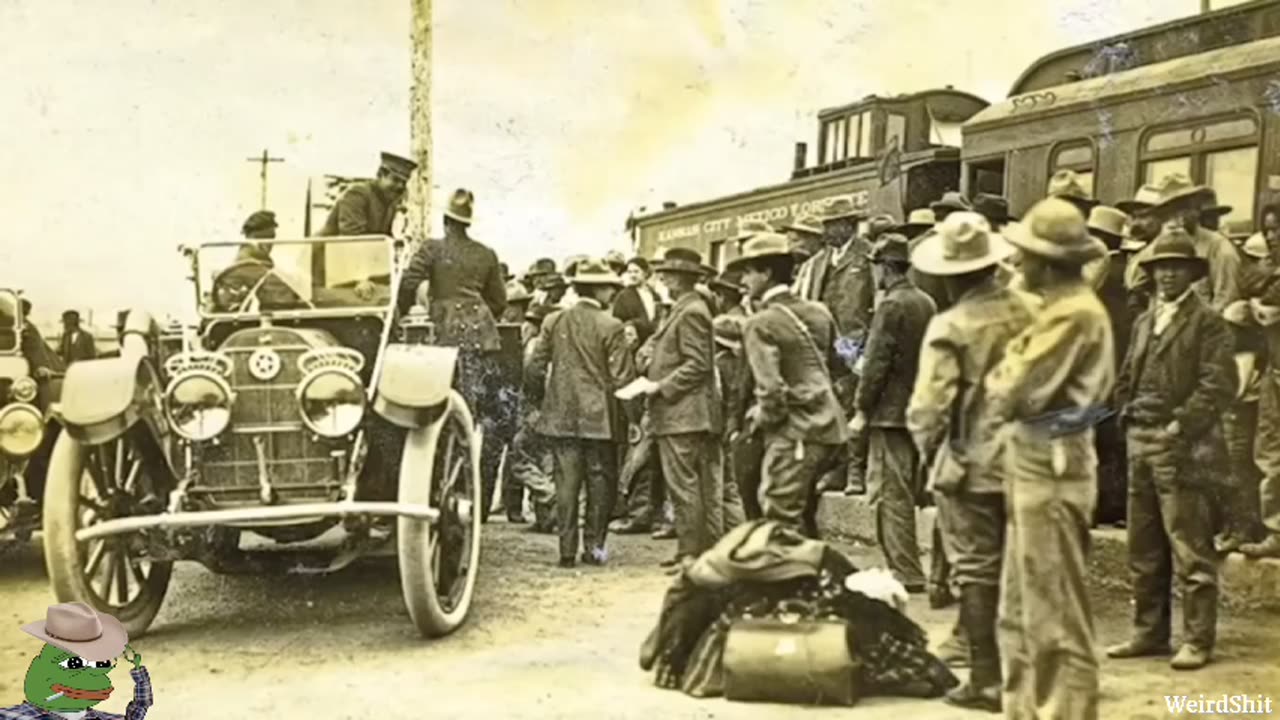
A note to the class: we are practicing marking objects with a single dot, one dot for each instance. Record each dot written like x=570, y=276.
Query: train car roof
x=950, y=105
x=1157, y=43
x=1160, y=78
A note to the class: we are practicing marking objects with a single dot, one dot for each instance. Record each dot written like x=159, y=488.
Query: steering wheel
x=240, y=283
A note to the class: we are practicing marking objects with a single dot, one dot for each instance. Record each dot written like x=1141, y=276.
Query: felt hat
x=595, y=272
x=517, y=294
x=1056, y=230
x=1177, y=190
x=891, y=247
x=401, y=167
x=461, y=206
x=681, y=260
x=1256, y=246
x=879, y=225
x=541, y=268
x=805, y=224
x=552, y=281
x=259, y=221
x=952, y=201
x=842, y=208
x=1212, y=207
x=764, y=245
x=918, y=221
x=1178, y=245
x=1147, y=197
x=78, y=628
x=1107, y=221
x=1066, y=185
x=962, y=243
x=728, y=280
x=993, y=207
x=727, y=331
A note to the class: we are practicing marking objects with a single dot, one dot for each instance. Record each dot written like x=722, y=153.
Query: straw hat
x=1056, y=230
x=747, y=228
x=1175, y=245
x=962, y=243
x=595, y=272
x=78, y=628
x=764, y=245
x=1147, y=197
x=728, y=280
x=1108, y=222
x=805, y=224
x=918, y=221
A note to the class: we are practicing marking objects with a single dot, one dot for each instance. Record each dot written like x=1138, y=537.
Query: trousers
x=1266, y=449
x=973, y=527
x=1240, y=499
x=480, y=381
x=789, y=481
x=746, y=458
x=892, y=462
x=1170, y=535
x=588, y=465
x=528, y=469
x=1047, y=649
x=693, y=468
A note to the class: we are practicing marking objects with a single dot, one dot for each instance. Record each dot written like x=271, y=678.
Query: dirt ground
x=541, y=642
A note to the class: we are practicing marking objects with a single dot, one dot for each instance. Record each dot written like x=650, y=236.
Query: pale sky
x=128, y=122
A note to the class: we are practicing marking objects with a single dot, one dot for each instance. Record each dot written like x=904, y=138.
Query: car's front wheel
x=88, y=485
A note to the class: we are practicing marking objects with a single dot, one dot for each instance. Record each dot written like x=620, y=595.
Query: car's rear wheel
x=439, y=561
x=88, y=485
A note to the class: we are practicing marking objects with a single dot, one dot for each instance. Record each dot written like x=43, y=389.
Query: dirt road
x=541, y=643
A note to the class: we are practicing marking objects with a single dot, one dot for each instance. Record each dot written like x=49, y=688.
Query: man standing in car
x=369, y=208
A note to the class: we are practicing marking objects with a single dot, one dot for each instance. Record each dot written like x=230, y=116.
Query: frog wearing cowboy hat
x=70, y=674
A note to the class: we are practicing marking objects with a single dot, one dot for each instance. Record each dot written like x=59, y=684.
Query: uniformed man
x=369, y=208
x=962, y=344
x=888, y=373
x=790, y=347
x=1176, y=382
x=1053, y=382
x=458, y=280
x=76, y=344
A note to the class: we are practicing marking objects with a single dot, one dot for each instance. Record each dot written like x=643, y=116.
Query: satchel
x=790, y=660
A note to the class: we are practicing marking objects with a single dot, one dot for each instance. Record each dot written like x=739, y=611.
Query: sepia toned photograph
x=732, y=359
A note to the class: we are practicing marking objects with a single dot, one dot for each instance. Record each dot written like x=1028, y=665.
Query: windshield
x=274, y=276
x=10, y=321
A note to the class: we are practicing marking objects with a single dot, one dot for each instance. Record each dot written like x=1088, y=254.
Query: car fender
x=415, y=383
x=101, y=399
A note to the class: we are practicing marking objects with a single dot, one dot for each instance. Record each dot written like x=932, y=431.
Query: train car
x=886, y=154
x=1199, y=96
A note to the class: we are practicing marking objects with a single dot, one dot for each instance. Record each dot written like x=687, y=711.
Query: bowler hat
x=595, y=272
x=841, y=208
x=918, y=221
x=1055, y=229
x=1066, y=185
x=1107, y=222
x=1177, y=190
x=81, y=630
x=993, y=207
x=399, y=166
x=461, y=206
x=805, y=224
x=1175, y=245
x=1147, y=197
x=259, y=221
x=962, y=243
x=681, y=260
x=952, y=201
x=891, y=247
x=764, y=245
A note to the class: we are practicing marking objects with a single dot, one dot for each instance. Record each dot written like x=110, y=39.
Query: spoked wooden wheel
x=438, y=563
x=114, y=575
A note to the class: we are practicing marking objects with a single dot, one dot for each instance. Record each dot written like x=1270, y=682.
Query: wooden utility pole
x=419, y=196
x=263, y=160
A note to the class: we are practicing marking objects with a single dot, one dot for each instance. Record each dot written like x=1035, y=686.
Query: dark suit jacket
x=847, y=289
x=362, y=210
x=82, y=348
x=580, y=359
x=683, y=365
x=629, y=308
x=893, y=355
x=1187, y=374
x=793, y=388
x=467, y=291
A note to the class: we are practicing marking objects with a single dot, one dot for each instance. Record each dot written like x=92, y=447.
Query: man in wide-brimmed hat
x=1212, y=213
x=541, y=268
x=788, y=344
x=684, y=407
x=1067, y=185
x=459, y=281
x=1180, y=204
x=888, y=373
x=1141, y=229
x=518, y=300
x=370, y=207
x=1052, y=384
x=951, y=201
x=729, y=293
x=961, y=345
x=587, y=347
x=1177, y=380
x=70, y=674
x=918, y=222
x=994, y=208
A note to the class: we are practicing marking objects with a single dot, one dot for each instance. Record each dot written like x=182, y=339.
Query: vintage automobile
x=300, y=407
x=27, y=386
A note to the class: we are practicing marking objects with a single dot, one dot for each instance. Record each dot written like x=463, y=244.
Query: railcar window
x=717, y=253
x=896, y=127
x=1222, y=154
x=1231, y=173
x=865, y=149
x=1077, y=156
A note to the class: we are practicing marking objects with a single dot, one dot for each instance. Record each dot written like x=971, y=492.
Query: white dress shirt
x=1166, y=309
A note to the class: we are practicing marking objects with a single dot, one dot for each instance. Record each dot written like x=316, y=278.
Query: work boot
x=954, y=651
x=1267, y=548
x=631, y=526
x=1190, y=657
x=940, y=596
x=664, y=532
x=1138, y=648
x=978, y=605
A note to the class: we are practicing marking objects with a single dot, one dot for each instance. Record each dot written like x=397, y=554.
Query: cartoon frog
x=69, y=676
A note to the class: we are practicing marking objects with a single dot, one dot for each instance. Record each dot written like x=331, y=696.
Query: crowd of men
x=1026, y=376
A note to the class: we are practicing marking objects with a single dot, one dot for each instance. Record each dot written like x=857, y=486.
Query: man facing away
x=889, y=371
x=1176, y=381
x=1045, y=393
x=790, y=346
x=582, y=358
x=962, y=344
x=369, y=207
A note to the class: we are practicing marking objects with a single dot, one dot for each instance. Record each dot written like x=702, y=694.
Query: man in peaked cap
x=1181, y=203
x=587, y=346
x=458, y=280
x=260, y=225
x=1177, y=380
x=369, y=208
x=1051, y=386
x=888, y=373
x=789, y=346
x=961, y=345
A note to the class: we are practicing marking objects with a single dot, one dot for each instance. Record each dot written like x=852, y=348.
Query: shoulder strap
x=804, y=330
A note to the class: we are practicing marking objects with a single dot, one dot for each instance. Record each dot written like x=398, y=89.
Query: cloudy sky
x=128, y=123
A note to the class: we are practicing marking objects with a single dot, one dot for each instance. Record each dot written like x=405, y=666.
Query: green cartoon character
x=70, y=675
